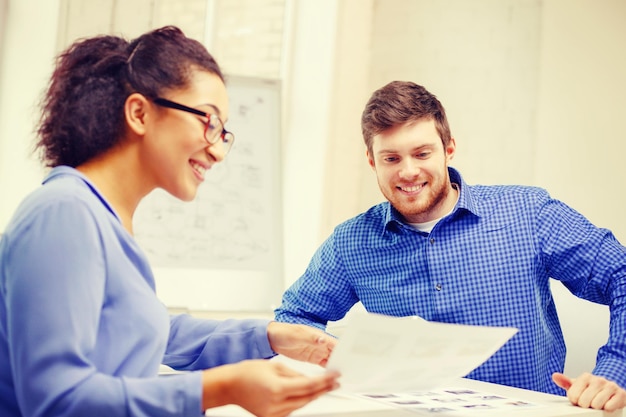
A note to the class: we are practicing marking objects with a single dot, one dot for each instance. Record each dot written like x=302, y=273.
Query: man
x=483, y=255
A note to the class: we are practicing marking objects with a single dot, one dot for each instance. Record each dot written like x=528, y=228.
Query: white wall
x=3, y=14
x=27, y=56
x=308, y=111
x=580, y=141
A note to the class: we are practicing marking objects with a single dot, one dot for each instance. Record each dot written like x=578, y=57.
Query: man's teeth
x=411, y=189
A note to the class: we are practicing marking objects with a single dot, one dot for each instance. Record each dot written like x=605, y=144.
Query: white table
x=337, y=405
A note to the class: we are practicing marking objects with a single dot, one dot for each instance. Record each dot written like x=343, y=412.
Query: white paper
x=392, y=354
x=454, y=400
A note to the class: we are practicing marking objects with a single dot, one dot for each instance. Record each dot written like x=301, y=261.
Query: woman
x=82, y=332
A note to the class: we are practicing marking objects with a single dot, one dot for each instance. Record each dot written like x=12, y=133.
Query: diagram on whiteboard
x=234, y=222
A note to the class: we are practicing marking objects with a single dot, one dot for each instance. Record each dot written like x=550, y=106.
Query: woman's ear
x=136, y=110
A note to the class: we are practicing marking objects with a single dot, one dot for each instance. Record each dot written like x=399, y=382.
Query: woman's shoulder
x=63, y=196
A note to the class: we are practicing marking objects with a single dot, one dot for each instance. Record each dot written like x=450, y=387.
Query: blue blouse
x=82, y=332
x=487, y=263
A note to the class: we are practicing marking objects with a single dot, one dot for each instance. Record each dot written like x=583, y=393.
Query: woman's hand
x=301, y=342
x=264, y=388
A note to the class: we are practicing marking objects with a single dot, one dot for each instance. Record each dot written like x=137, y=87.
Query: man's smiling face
x=411, y=167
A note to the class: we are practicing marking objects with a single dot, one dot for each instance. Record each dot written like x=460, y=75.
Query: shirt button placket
x=437, y=285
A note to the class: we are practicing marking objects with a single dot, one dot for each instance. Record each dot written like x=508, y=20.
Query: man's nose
x=410, y=168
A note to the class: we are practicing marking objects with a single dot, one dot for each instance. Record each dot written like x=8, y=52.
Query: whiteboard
x=223, y=251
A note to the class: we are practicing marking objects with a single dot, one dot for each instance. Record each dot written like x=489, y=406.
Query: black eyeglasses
x=214, y=128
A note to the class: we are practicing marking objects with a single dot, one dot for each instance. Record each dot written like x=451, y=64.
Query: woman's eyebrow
x=214, y=107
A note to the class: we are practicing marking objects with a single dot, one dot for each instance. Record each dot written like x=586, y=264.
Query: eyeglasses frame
x=226, y=136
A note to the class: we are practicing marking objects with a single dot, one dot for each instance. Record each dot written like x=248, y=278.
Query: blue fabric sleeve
x=591, y=263
x=53, y=308
x=200, y=344
x=322, y=293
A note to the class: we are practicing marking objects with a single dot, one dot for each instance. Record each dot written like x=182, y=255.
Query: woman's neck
x=117, y=176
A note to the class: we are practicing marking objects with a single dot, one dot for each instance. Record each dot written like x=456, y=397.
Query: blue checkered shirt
x=487, y=263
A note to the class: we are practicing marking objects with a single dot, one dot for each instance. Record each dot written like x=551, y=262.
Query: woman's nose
x=216, y=151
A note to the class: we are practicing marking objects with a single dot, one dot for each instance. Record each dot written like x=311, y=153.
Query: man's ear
x=135, y=111
x=370, y=159
x=450, y=149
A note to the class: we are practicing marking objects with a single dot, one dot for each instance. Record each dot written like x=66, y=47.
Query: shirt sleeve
x=53, y=291
x=200, y=344
x=591, y=263
x=322, y=293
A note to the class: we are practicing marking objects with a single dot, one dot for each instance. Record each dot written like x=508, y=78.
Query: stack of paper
x=387, y=354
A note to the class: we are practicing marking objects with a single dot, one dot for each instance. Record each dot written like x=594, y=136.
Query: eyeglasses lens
x=215, y=131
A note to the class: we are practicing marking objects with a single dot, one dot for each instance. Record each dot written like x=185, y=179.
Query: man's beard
x=418, y=210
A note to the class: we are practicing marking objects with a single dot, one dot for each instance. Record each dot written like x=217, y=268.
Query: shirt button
x=432, y=240
x=438, y=287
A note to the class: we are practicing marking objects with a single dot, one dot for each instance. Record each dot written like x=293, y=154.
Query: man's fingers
x=616, y=402
x=590, y=391
x=562, y=380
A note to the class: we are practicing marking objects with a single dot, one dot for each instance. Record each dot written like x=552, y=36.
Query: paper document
x=453, y=401
x=387, y=354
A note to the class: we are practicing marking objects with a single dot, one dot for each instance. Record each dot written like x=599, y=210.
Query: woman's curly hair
x=82, y=112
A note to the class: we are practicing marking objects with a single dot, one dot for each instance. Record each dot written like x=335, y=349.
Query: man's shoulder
x=376, y=215
x=489, y=200
x=367, y=229
x=370, y=222
x=506, y=191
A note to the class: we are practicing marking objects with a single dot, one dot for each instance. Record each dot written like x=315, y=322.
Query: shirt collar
x=466, y=202
x=63, y=170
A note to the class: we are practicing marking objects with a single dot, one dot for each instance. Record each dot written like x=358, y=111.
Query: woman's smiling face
x=177, y=155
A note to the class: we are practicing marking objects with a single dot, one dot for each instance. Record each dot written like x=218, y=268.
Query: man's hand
x=592, y=391
x=301, y=342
